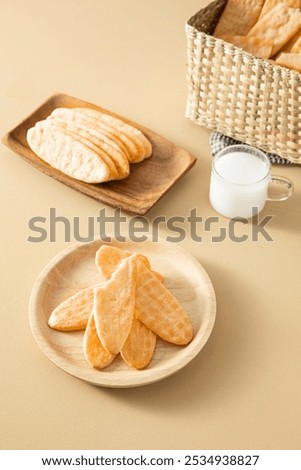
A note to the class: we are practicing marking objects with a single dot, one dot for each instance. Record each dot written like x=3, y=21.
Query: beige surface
x=243, y=390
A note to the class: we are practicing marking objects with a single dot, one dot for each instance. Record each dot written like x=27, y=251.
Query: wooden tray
x=74, y=269
x=136, y=194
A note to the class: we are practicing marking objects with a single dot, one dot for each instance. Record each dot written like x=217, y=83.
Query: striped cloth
x=219, y=141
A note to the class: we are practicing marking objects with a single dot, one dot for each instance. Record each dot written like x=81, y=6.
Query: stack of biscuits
x=88, y=145
x=269, y=29
x=124, y=313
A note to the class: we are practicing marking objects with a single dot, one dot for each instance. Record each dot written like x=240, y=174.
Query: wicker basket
x=240, y=95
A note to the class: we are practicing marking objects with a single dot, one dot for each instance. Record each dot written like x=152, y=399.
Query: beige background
x=243, y=390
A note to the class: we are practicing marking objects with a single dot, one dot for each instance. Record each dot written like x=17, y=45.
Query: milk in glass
x=239, y=184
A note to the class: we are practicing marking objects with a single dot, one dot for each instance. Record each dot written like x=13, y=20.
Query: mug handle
x=287, y=186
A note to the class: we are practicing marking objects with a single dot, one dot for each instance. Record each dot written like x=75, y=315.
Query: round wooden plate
x=74, y=269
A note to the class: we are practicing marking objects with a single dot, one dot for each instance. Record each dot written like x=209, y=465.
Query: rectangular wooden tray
x=148, y=181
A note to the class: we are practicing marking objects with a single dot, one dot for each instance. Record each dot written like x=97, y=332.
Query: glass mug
x=240, y=180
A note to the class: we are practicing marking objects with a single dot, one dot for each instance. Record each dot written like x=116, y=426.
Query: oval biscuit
x=67, y=154
x=116, y=161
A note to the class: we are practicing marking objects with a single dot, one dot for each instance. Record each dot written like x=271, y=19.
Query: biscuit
x=111, y=152
x=290, y=60
x=280, y=24
x=108, y=257
x=94, y=352
x=139, y=347
x=238, y=17
x=270, y=4
x=82, y=115
x=73, y=313
x=159, y=310
x=67, y=154
x=132, y=132
x=114, y=304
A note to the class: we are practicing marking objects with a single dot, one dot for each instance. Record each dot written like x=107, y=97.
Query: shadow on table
x=285, y=215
